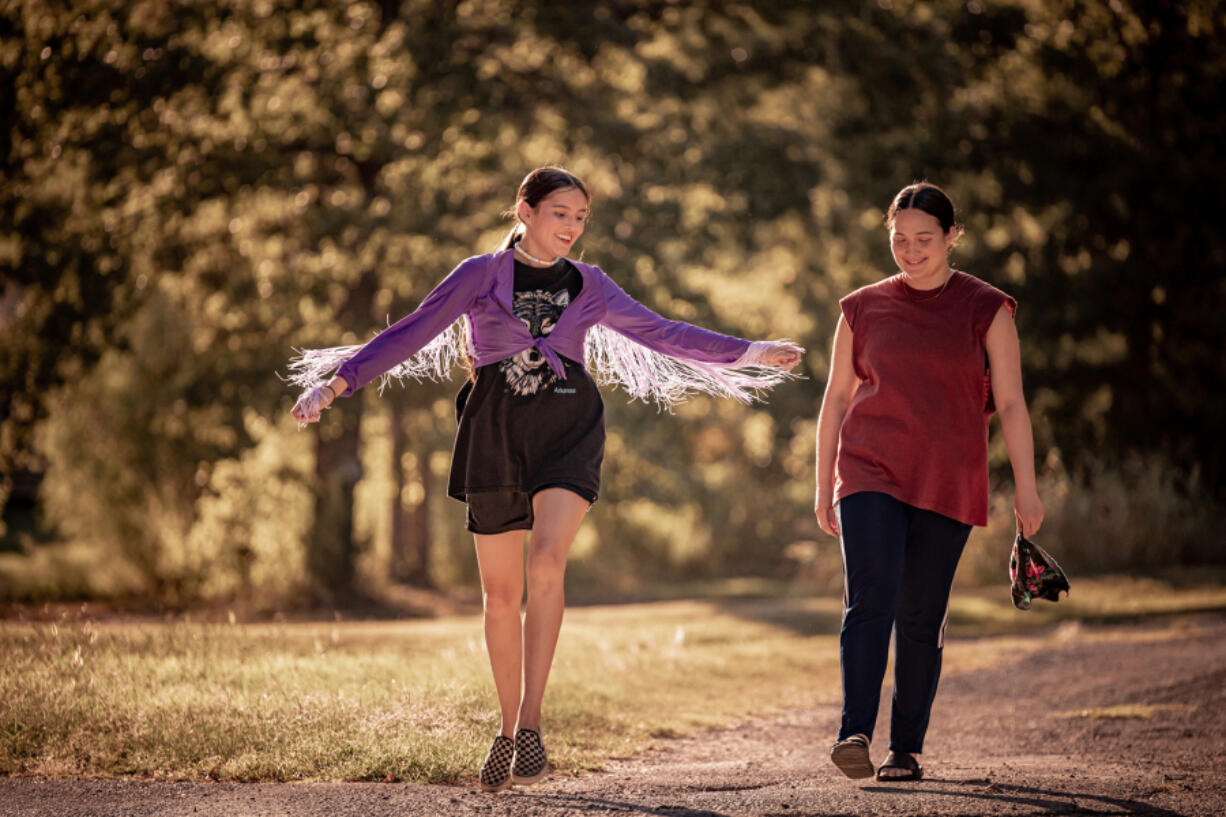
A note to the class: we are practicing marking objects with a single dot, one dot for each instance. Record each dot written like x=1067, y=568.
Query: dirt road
x=1112, y=721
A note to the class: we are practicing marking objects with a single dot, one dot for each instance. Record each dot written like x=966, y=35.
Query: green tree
x=192, y=192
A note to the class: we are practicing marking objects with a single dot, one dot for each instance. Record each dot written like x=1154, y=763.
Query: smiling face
x=552, y=227
x=920, y=246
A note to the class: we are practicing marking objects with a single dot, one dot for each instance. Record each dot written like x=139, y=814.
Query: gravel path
x=1119, y=721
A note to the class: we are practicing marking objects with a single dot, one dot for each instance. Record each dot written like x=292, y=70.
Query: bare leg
x=500, y=558
x=557, y=512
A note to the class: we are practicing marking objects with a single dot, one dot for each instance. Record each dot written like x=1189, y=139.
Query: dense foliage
x=190, y=191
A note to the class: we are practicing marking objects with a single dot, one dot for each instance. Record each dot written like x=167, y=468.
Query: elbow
x=834, y=409
x=837, y=398
x=1013, y=409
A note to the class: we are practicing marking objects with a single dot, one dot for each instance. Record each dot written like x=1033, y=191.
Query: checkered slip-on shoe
x=496, y=770
x=531, y=763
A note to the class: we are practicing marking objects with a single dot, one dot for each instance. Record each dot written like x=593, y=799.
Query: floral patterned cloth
x=1034, y=574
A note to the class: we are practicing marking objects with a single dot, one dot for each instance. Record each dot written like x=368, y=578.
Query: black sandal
x=904, y=761
x=850, y=755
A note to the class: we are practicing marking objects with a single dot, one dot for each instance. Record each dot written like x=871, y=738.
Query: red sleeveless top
x=917, y=426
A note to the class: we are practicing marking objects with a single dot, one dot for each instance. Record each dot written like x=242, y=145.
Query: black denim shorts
x=491, y=512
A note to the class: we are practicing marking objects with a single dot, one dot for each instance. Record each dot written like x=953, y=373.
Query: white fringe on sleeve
x=435, y=361
x=613, y=358
x=654, y=377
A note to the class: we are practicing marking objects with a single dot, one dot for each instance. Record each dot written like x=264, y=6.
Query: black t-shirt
x=520, y=426
x=541, y=293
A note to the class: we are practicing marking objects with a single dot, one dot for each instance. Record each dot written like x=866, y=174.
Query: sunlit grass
x=413, y=700
x=405, y=700
x=1125, y=712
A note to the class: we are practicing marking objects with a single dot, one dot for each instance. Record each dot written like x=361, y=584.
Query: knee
x=502, y=599
x=546, y=569
x=921, y=627
x=871, y=603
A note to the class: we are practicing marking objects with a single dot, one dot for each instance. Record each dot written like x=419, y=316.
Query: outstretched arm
x=683, y=340
x=405, y=338
x=399, y=342
x=840, y=387
x=1004, y=361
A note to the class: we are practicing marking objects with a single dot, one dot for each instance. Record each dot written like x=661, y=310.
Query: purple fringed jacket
x=480, y=289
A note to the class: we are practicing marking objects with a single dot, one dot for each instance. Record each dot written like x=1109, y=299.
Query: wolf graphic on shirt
x=528, y=372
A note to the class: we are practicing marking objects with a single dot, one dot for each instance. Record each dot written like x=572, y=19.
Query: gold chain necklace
x=940, y=289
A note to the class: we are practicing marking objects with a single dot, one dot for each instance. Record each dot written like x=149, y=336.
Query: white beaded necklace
x=519, y=249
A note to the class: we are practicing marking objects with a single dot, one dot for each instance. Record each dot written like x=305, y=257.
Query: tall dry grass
x=1148, y=515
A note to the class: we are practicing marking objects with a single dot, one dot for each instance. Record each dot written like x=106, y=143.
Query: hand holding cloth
x=1034, y=574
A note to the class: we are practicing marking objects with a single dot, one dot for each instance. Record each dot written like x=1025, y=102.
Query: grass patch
x=413, y=700
x=408, y=701
x=1125, y=712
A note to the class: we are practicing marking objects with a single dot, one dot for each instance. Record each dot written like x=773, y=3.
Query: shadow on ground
x=1050, y=800
x=991, y=796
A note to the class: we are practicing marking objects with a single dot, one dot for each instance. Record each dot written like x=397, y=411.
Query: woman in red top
x=902, y=466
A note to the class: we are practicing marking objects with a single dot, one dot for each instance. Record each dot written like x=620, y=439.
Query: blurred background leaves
x=189, y=192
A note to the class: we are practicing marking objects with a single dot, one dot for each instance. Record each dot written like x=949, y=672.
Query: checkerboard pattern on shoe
x=496, y=770
x=531, y=763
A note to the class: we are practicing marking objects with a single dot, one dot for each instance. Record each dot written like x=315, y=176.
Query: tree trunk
x=410, y=561
x=338, y=467
x=331, y=549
